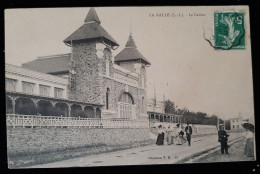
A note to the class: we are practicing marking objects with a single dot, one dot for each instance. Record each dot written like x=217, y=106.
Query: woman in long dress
x=249, y=148
x=169, y=135
x=180, y=133
x=160, y=137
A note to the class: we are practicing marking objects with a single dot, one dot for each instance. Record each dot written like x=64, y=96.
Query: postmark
x=229, y=30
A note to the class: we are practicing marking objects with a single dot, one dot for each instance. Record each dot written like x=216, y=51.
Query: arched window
x=107, y=98
x=126, y=98
x=125, y=105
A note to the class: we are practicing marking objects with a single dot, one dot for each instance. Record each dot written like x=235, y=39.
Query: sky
x=184, y=67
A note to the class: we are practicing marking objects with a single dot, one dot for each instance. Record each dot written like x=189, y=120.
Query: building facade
x=88, y=82
x=236, y=123
x=156, y=114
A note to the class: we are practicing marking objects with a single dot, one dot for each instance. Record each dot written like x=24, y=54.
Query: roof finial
x=131, y=26
x=154, y=95
x=130, y=42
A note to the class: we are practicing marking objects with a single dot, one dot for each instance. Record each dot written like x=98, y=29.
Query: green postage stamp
x=229, y=30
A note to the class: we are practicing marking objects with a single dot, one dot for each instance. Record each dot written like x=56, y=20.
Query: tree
x=169, y=107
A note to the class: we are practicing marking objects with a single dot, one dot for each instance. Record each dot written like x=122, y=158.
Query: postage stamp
x=229, y=30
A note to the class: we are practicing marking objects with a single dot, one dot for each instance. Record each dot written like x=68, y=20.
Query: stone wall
x=28, y=141
x=87, y=79
x=112, y=99
x=90, y=81
x=116, y=89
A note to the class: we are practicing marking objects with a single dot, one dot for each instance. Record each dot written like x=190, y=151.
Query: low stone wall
x=30, y=146
x=204, y=129
x=26, y=141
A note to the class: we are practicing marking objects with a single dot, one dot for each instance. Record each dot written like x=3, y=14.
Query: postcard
x=113, y=86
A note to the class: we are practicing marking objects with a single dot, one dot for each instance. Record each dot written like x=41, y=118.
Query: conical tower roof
x=92, y=16
x=130, y=42
x=130, y=53
x=91, y=29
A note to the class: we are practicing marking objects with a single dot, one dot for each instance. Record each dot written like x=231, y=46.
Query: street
x=152, y=154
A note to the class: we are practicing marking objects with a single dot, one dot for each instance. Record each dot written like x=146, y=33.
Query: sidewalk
x=153, y=154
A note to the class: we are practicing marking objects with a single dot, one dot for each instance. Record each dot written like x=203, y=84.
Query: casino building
x=88, y=82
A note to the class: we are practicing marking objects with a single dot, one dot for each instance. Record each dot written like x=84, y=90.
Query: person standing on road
x=249, y=148
x=169, y=135
x=188, y=131
x=180, y=133
x=160, y=137
x=223, y=138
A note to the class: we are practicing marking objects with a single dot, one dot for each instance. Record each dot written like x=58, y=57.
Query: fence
x=15, y=120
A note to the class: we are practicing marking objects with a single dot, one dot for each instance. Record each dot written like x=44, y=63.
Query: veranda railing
x=15, y=120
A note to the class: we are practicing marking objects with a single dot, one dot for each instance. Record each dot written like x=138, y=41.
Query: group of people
x=175, y=135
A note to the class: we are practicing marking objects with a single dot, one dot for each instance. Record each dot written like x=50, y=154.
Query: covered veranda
x=27, y=104
x=155, y=117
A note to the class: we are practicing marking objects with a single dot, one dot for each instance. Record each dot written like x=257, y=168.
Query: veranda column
x=82, y=107
x=94, y=107
x=69, y=108
x=53, y=104
x=13, y=104
x=35, y=101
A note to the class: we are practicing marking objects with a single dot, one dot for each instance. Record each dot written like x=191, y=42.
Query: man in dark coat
x=188, y=131
x=223, y=138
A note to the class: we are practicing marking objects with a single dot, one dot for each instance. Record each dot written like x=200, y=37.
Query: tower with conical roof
x=130, y=58
x=91, y=47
